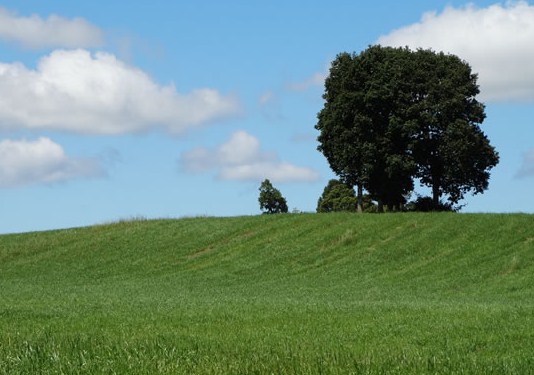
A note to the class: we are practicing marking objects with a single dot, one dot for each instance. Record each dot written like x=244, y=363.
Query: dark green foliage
x=452, y=154
x=427, y=204
x=392, y=115
x=271, y=200
x=361, y=133
x=338, y=196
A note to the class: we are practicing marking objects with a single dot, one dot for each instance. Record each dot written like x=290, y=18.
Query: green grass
x=289, y=294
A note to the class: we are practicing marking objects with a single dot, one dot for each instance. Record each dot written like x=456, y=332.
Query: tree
x=361, y=128
x=452, y=154
x=337, y=197
x=271, y=200
x=392, y=115
x=342, y=123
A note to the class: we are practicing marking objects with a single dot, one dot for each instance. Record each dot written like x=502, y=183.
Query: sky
x=113, y=110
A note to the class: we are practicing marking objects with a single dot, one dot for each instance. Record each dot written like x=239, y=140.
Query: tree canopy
x=271, y=200
x=393, y=115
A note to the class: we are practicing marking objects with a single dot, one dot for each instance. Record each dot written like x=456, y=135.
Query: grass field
x=288, y=294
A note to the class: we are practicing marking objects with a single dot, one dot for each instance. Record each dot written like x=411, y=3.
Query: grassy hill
x=288, y=294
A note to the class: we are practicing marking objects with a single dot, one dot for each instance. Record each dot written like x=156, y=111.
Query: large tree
x=452, y=154
x=361, y=132
x=342, y=123
x=392, y=115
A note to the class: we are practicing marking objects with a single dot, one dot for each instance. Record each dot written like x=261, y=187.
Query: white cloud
x=40, y=161
x=35, y=32
x=315, y=80
x=240, y=149
x=241, y=159
x=527, y=168
x=496, y=41
x=73, y=90
x=274, y=170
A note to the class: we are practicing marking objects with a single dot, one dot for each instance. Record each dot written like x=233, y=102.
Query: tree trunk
x=435, y=195
x=436, y=172
x=360, y=199
x=380, y=207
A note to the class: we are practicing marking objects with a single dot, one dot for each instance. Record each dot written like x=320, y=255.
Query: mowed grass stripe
x=288, y=294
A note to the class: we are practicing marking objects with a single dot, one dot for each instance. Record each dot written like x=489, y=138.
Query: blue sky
x=112, y=110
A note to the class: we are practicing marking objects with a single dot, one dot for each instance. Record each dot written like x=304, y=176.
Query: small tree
x=337, y=196
x=271, y=200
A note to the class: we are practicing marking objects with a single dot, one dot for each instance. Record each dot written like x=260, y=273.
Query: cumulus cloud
x=527, y=168
x=56, y=32
x=41, y=161
x=496, y=41
x=76, y=91
x=241, y=159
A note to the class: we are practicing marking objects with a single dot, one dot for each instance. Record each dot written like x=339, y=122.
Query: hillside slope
x=471, y=255
x=318, y=292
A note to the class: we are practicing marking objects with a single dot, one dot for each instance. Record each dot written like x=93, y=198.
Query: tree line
x=393, y=116
x=337, y=196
